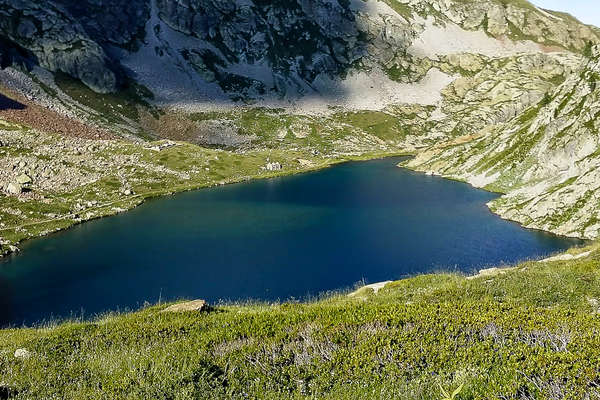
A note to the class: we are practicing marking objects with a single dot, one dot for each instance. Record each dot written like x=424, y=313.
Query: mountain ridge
x=328, y=35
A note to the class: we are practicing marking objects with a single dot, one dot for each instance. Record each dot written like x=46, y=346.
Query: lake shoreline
x=136, y=200
x=290, y=237
x=124, y=204
x=131, y=202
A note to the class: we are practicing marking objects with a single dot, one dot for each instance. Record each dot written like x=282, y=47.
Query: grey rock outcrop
x=188, y=306
x=14, y=188
x=50, y=37
x=514, y=19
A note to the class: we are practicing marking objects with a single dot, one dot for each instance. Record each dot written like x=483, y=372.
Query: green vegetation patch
x=381, y=124
x=403, y=9
x=112, y=106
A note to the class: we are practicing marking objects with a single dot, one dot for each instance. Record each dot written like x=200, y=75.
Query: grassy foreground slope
x=531, y=332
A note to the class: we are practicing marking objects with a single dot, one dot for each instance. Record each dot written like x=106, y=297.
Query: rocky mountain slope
x=546, y=159
x=311, y=80
x=255, y=49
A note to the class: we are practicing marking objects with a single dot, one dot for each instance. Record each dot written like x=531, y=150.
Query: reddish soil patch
x=17, y=109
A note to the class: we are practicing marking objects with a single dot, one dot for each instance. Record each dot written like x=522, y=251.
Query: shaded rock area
x=42, y=33
x=111, y=22
x=302, y=38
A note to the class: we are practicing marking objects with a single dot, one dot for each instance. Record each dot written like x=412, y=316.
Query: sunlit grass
x=528, y=331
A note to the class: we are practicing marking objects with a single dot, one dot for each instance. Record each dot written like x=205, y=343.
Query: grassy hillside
x=525, y=333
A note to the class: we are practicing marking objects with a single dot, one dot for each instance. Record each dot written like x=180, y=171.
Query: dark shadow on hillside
x=221, y=51
x=271, y=50
x=308, y=46
x=12, y=54
x=7, y=103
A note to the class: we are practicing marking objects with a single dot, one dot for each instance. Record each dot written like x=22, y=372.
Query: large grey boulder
x=14, y=188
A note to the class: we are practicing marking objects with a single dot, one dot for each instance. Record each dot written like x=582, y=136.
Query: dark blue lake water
x=267, y=239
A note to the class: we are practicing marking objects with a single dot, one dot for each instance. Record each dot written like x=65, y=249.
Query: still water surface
x=267, y=239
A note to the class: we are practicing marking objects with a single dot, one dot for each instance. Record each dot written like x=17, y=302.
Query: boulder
x=374, y=287
x=24, y=179
x=194, y=305
x=14, y=188
x=22, y=354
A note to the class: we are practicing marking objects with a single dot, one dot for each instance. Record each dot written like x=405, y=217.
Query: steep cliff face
x=40, y=32
x=287, y=44
x=252, y=50
x=546, y=159
x=277, y=31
